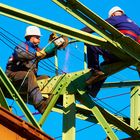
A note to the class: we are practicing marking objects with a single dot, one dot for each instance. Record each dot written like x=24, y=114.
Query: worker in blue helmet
x=125, y=25
x=22, y=65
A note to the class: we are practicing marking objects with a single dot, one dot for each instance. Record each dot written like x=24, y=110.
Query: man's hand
x=53, y=36
x=41, y=54
x=60, y=41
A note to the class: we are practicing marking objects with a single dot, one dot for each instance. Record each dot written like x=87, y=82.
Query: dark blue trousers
x=93, y=54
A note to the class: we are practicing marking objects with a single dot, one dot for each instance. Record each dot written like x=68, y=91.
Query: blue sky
x=49, y=10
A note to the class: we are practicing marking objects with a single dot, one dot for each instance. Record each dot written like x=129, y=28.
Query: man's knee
x=31, y=75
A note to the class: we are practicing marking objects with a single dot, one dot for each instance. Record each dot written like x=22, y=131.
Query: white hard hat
x=32, y=30
x=114, y=9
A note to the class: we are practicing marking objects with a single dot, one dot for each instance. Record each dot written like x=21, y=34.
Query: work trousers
x=26, y=80
x=93, y=56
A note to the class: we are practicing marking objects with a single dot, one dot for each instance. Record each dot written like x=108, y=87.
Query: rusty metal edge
x=20, y=126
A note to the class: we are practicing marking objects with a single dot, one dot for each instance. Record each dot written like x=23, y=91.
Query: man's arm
x=22, y=53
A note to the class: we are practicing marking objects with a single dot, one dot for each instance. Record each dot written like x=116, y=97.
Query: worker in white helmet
x=117, y=18
x=115, y=11
x=123, y=23
x=23, y=64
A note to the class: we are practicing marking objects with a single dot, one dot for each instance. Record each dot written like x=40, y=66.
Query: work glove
x=41, y=54
x=53, y=36
x=59, y=41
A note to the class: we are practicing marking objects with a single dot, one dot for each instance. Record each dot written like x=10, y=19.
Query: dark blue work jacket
x=23, y=58
x=123, y=22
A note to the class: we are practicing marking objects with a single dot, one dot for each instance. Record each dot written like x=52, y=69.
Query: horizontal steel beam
x=51, y=25
x=121, y=84
x=118, y=41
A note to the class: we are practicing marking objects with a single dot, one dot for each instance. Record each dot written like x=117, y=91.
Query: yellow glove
x=53, y=36
x=41, y=54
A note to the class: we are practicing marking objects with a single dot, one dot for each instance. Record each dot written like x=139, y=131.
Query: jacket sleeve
x=21, y=53
x=111, y=21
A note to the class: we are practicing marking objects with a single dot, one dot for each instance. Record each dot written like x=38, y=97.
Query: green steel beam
x=50, y=25
x=66, y=6
x=48, y=109
x=82, y=113
x=69, y=111
x=84, y=37
x=90, y=19
x=71, y=78
x=85, y=57
x=120, y=124
x=87, y=101
x=63, y=82
x=85, y=114
x=135, y=108
x=73, y=9
x=115, y=67
x=3, y=101
x=14, y=94
x=58, y=85
x=62, y=29
x=100, y=113
x=76, y=81
x=121, y=84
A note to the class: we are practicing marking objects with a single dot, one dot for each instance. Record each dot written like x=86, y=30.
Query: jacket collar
x=30, y=44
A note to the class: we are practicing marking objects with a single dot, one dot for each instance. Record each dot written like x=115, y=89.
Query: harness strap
x=38, y=49
x=129, y=32
x=138, y=41
x=27, y=48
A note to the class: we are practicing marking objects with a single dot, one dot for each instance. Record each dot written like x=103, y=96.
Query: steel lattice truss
x=72, y=85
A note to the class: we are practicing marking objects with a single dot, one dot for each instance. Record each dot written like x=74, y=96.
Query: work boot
x=43, y=104
x=96, y=76
x=95, y=88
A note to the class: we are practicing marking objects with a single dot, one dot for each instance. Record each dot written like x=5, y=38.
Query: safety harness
x=27, y=48
x=131, y=33
x=13, y=64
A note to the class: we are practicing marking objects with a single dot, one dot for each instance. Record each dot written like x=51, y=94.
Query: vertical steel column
x=135, y=108
x=57, y=90
x=69, y=109
x=85, y=57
